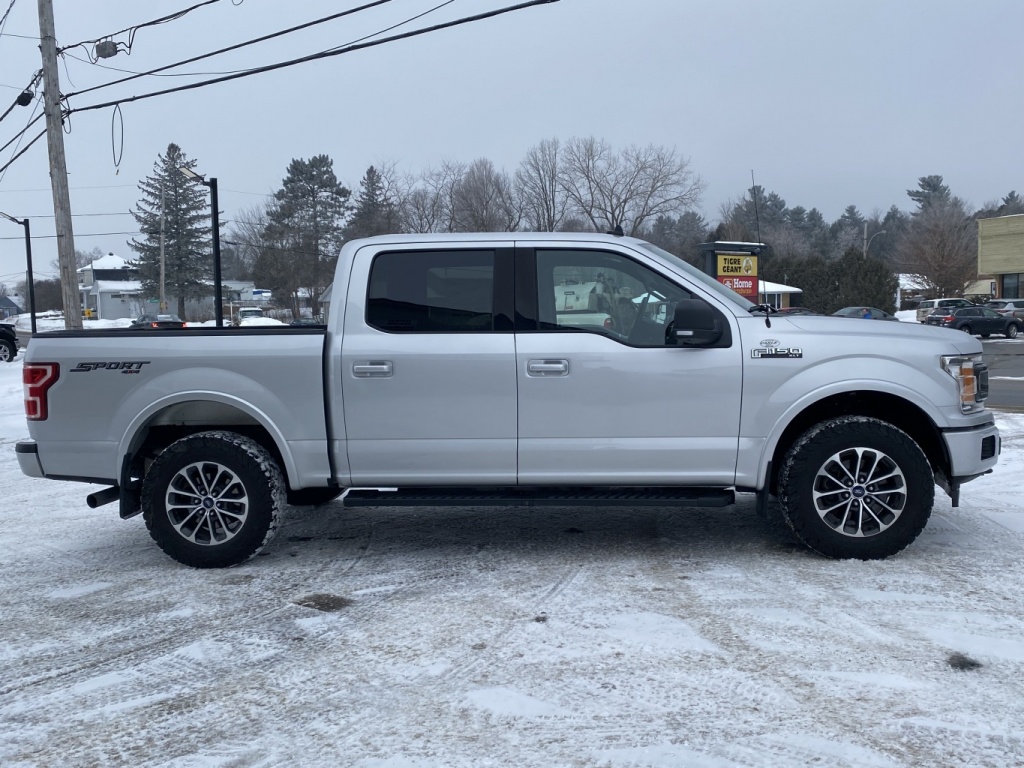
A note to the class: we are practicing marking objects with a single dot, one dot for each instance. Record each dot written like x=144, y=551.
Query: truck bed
x=167, y=378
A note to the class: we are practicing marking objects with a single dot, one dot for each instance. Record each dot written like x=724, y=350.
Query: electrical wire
x=32, y=84
x=314, y=57
x=47, y=189
x=235, y=47
x=136, y=27
x=31, y=119
x=21, y=133
x=75, y=215
x=3, y=21
x=77, y=235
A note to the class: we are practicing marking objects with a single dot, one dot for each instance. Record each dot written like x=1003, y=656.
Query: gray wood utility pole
x=58, y=169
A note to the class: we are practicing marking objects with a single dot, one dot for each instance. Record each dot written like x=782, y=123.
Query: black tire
x=984, y=335
x=313, y=497
x=966, y=329
x=1012, y=330
x=213, y=499
x=828, y=516
x=8, y=351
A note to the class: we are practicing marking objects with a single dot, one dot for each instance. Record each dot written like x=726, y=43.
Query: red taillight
x=154, y=325
x=609, y=323
x=38, y=378
x=948, y=319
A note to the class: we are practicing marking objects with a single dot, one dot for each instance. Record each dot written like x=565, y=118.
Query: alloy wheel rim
x=206, y=503
x=859, y=492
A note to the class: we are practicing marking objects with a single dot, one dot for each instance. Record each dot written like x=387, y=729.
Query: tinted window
x=432, y=292
x=969, y=313
x=989, y=313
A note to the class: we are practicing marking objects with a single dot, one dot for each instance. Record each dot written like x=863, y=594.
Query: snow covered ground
x=460, y=637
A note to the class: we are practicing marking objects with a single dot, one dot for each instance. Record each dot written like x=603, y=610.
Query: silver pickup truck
x=447, y=373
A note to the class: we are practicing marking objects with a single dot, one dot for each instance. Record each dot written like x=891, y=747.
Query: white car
x=1007, y=307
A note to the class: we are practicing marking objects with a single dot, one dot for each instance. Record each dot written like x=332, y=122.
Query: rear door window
x=432, y=292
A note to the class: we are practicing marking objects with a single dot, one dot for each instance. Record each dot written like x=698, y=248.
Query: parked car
x=873, y=313
x=976, y=320
x=796, y=311
x=8, y=343
x=1007, y=307
x=926, y=307
x=156, y=321
x=247, y=313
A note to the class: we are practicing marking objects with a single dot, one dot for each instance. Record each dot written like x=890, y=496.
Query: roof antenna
x=617, y=231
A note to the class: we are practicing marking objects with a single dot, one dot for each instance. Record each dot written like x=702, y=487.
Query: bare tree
x=246, y=236
x=941, y=245
x=485, y=201
x=545, y=204
x=429, y=204
x=629, y=188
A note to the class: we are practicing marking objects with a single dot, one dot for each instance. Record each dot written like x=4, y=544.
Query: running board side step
x=541, y=497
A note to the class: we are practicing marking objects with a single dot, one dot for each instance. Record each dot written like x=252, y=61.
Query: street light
x=867, y=240
x=28, y=260
x=212, y=184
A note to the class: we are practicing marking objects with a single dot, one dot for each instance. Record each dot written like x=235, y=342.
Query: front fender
x=767, y=415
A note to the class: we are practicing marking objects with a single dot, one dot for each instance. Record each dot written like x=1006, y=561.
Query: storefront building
x=1001, y=254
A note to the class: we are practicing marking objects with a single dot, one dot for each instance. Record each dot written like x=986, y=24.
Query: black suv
x=980, y=320
x=8, y=343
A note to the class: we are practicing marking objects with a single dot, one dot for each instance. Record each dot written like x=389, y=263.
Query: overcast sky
x=828, y=102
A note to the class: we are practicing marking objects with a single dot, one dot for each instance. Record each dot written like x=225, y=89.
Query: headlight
x=971, y=376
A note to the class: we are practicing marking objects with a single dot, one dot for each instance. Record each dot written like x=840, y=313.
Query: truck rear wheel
x=213, y=499
x=856, y=487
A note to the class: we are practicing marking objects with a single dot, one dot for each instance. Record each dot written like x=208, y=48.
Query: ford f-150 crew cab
x=452, y=370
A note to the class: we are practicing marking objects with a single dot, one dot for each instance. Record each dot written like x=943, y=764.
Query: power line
x=21, y=133
x=50, y=215
x=315, y=56
x=47, y=189
x=10, y=162
x=77, y=235
x=135, y=28
x=19, y=99
x=3, y=21
x=264, y=38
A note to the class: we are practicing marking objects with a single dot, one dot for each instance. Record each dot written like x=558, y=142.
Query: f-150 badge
x=776, y=352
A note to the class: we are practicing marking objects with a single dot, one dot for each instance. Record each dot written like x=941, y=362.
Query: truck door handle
x=373, y=369
x=547, y=368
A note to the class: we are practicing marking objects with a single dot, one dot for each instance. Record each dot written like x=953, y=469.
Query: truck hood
x=884, y=331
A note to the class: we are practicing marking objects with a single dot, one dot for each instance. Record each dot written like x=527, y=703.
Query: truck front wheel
x=856, y=487
x=213, y=499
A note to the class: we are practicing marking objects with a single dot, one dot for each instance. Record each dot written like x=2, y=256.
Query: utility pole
x=58, y=169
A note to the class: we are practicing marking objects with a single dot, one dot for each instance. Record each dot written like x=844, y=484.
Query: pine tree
x=375, y=212
x=304, y=230
x=863, y=282
x=930, y=191
x=188, y=262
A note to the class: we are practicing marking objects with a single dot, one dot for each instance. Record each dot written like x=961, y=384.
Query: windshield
x=696, y=274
